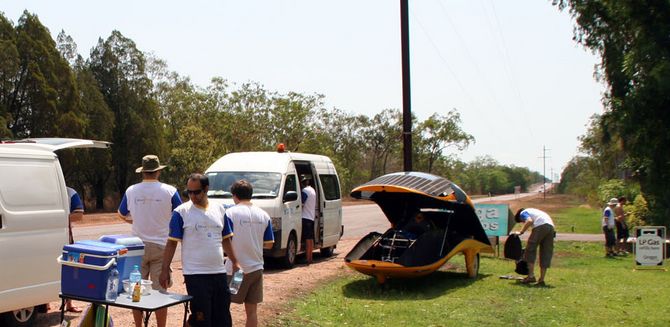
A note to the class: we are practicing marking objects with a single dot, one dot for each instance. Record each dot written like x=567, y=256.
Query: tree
x=120, y=69
x=39, y=97
x=631, y=38
x=382, y=136
x=439, y=132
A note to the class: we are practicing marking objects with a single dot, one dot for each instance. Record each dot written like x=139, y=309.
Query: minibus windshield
x=265, y=184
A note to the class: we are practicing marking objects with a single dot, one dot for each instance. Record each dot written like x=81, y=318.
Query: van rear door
x=33, y=219
x=56, y=143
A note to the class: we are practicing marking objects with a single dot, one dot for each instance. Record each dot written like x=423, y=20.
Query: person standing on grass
x=608, y=227
x=253, y=233
x=542, y=235
x=622, y=233
x=148, y=206
x=204, y=233
x=308, y=195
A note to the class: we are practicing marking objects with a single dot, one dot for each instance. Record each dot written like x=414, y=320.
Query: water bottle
x=236, y=281
x=112, y=285
x=135, y=275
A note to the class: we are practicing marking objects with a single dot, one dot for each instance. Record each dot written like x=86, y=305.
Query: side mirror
x=290, y=196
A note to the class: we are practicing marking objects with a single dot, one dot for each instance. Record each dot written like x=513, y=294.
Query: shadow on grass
x=432, y=286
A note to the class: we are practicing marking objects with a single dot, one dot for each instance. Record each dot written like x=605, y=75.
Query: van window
x=32, y=186
x=331, y=186
x=266, y=185
x=290, y=184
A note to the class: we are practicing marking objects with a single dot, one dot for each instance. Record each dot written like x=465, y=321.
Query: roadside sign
x=495, y=218
x=649, y=247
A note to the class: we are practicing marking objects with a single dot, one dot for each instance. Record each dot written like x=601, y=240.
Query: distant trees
x=130, y=98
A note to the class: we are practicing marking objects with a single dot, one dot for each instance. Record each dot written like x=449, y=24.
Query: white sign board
x=650, y=246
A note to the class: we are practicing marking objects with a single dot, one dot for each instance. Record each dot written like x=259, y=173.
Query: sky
x=511, y=69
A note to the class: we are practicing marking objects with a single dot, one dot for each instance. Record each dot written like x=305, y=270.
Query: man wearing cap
x=148, y=207
x=308, y=213
x=608, y=227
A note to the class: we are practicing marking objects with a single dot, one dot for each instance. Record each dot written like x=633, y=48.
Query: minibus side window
x=290, y=184
x=331, y=187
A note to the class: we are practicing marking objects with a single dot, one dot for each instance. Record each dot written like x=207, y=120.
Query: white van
x=275, y=179
x=34, y=209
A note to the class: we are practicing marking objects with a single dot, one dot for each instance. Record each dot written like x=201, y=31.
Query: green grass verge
x=577, y=220
x=584, y=289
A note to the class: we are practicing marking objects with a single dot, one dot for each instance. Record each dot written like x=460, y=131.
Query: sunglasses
x=194, y=192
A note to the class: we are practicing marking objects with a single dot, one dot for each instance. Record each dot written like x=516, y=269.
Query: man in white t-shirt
x=608, y=223
x=204, y=233
x=308, y=195
x=148, y=206
x=253, y=232
x=542, y=235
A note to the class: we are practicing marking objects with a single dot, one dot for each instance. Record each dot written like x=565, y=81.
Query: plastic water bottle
x=135, y=275
x=236, y=281
x=112, y=285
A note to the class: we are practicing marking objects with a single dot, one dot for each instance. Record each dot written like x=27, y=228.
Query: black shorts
x=622, y=232
x=609, y=237
x=307, y=229
x=211, y=300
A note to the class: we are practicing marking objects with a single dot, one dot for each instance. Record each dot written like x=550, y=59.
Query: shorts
x=542, y=236
x=609, y=237
x=152, y=264
x=622, y=232
x=251, y=290
x=307, y=229
x=210, y=305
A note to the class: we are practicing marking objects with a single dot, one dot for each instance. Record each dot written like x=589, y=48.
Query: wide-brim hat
x=304, y=178
x=150, y=163
x=613, y=202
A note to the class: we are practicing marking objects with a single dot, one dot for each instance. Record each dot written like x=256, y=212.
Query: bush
x=638, y=212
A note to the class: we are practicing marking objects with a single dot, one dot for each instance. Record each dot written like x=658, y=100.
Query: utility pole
x=406, y=102
x=544, y=168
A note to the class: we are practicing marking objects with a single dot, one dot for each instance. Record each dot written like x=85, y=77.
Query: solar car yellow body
x=452, y=227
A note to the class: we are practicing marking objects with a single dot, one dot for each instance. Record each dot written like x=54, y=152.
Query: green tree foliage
x=120, y=69
x=436, y=134
x=631, y=38
x=39, y=95
x=130, y=98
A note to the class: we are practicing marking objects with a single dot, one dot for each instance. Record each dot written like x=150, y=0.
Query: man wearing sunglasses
x=204, y=233
x=148, y=206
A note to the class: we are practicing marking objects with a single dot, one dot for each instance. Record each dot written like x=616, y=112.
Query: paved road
x=358, y=221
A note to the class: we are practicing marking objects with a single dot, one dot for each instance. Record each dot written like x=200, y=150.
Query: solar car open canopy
x=401, y=196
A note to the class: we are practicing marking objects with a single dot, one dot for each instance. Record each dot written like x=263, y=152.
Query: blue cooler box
x=133, y=256
x=120, y=258
x=85, y=270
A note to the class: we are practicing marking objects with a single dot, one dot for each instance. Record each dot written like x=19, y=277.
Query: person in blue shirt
x=76, y=213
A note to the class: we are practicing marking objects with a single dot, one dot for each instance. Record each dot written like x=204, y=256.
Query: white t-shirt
x=309, y=203
x=150, y=203
x=539, y=217
x=252, y=227
x=200, y=231
x=608, y=217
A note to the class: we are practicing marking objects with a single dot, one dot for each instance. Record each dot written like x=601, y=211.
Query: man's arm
x=123, y=212
x=170, y=248
x=526, y=225
x=228, y=248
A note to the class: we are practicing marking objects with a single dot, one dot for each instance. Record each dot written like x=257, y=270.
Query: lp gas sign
x=649, y=246
x=495, y=218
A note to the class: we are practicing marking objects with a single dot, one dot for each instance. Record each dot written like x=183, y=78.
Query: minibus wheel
x=18, y=318
x=288, y=261
x=327, y=251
